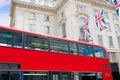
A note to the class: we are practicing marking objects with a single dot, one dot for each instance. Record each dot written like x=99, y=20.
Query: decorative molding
x=60, y=4
x=102, y=4
x=39, y=7
x=98, y=3
x=63, y=20
x=32, y=6
x=84, y=15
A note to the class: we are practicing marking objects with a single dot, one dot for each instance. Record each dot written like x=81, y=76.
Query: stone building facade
x=64, y=18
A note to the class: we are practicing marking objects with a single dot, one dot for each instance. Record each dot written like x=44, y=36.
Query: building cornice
x=102, y=4
x=60, y=5
x=32, y=6
x=98, y=3
x=55, y=9
x=37, y=6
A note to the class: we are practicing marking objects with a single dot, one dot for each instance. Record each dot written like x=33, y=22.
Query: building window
x=75, y=76
x=109, y=28
x=32, y=1
x=110, y=41
x=112, y=56
x=62, y=14
x=106, y=15
x=32, y=27
x=100, y=40
x=64, y=30
x=32, y=15
x=73, y=48
x=46, y=3
x=46, y=18
x=119, y=41
x=117, y=29
x=59, y=46
x=107, y=0
x=65, y=76
x=111, y=1
x=81, y=23
x=95, y=12
x=114, y=17
x=80, y=8
x=46, y=29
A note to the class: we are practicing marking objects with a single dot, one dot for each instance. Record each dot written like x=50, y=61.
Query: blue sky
x=4, y=12
x=5, y=9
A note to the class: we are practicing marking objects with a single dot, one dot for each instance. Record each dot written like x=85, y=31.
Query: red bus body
x=54, y=61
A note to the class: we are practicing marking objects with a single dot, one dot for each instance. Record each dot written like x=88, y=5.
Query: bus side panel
x=41, y=60
x=107, y=76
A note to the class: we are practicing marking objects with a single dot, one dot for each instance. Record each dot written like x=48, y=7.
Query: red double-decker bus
x=31, y=56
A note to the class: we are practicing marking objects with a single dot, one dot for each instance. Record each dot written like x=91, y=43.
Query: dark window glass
x=36, y=43
x=100, y=39
x=10, y=75
x=55, y=76
x=65, y=76
x=59, y=46
x=9, y=66
x=10, y=38
x=85, y=50
x=88, y=76
x=99, y=52
x=110, y=41
x=35, y=75
x=18, y=40
x=75, y=76
x=64, y=30
x=6, y=38
x=73, y=48
x=118, y=41
x=46, y=18
x=99, y=76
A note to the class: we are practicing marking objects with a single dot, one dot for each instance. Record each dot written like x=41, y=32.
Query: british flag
x=86, y=30
x=100, y=22
x=117, y=7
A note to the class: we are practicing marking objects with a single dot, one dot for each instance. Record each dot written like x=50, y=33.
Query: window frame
x=100, y=39
x=33, y=47
x=52, y=41
x=110, y=41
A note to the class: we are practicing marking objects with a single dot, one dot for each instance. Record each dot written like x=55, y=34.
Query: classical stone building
x=64, y=18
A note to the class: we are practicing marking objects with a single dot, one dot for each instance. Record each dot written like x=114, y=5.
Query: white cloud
x=5, y=19
x=4, y=3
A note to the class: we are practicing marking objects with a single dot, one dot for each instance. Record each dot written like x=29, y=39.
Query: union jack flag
x=117, y=7
x=86, y=30
x=100, y=22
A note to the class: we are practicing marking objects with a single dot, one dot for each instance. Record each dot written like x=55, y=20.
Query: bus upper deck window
x=5, y=38
x=99, y=52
